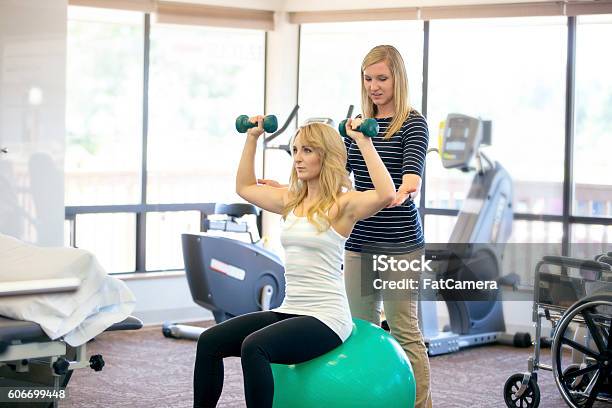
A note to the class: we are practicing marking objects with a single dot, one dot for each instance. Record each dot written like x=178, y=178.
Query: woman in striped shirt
x=396, y=230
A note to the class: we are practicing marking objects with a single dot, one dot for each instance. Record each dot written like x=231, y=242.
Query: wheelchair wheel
x=577, y=383
x=582, y=385
x=530, y=397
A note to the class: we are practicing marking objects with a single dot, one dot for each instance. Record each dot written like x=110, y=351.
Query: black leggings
x=259, y=338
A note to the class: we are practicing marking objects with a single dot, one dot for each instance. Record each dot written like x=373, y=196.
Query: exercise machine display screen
x=461, y=138
x=455, y=146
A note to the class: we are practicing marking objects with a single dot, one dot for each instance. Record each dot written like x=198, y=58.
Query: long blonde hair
x=328, y=144
x=391, y=56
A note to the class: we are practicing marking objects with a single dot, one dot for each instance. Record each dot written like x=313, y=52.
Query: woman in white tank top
x=319, y=211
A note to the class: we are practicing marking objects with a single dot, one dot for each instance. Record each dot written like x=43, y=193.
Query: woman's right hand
x=351, y=125
x=258, y=130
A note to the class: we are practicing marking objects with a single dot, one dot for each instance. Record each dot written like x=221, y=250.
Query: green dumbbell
x=270, y=123
x=368, y=127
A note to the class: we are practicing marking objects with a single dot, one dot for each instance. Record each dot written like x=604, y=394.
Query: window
x=438, y=228
x=330, y=63
x=104, y=128
x=164, y=229
x=536, y=232
x=446, y=188
x=530, y=241
x=201, y=79
x=582, y=233
x=590, y=240
x=111, y=237
x=593, y=118
x=510, y=71
x=104, y=107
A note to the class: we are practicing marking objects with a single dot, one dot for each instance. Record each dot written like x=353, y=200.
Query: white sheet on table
x=100, y=301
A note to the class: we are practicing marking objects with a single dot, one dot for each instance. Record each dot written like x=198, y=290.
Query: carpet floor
x=145, y=369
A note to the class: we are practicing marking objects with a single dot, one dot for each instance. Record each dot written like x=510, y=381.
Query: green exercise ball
x=368, y=370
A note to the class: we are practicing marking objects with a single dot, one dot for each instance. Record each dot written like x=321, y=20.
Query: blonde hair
x=390, y=56
x=328, y=144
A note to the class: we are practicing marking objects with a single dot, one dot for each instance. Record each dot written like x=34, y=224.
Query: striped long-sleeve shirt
x=397, y=229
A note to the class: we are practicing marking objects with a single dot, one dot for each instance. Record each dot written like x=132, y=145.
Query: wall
x=165, y=298
x=32, y=129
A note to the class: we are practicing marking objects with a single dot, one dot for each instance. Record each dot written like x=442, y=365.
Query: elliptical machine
x=475, y=249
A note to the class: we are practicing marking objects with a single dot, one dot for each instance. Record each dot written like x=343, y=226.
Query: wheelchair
x=575, y=295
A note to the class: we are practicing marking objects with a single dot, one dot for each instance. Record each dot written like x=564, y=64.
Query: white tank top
x=314, y=281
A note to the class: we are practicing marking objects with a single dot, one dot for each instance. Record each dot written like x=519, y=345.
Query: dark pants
x=259, y=338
